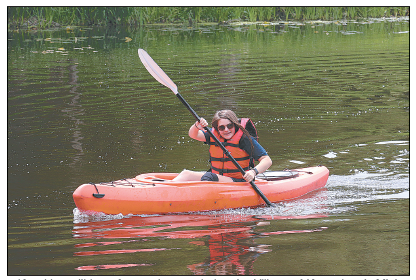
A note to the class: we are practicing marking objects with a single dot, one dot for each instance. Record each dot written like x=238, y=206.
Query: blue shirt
x=245, y=145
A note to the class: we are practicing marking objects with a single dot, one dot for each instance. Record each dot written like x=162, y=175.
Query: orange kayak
x=156, y=193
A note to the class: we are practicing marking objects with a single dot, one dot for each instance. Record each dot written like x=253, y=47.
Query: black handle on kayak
x=227, y=153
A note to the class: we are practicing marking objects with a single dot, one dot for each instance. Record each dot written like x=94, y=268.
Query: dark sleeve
x=258, y=150
x=207, y=137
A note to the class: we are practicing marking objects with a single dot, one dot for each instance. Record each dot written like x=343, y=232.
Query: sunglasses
x=229, y=126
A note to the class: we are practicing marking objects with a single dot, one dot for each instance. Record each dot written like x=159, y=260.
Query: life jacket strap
x=222, y=171
x=225, y=144
x=225, y=159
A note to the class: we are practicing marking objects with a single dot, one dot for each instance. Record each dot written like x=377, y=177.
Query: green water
x=82, y=108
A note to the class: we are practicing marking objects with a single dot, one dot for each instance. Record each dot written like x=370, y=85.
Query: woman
x=236, y=139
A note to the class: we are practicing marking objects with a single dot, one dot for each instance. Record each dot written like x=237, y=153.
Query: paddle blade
x=156, y=71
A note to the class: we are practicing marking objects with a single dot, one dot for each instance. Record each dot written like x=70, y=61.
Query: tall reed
x=49, y=16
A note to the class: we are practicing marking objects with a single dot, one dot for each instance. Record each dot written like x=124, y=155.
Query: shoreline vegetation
x=34, y=18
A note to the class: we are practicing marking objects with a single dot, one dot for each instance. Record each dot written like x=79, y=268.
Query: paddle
x=162, y=78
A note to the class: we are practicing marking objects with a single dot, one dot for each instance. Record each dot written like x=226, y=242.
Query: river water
x=82, y=108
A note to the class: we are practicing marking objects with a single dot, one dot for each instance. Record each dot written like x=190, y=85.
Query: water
x=82, y=108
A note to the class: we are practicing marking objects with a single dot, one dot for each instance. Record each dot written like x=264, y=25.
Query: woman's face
x=226, y=128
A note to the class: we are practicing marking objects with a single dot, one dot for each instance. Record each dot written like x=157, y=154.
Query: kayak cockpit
x=156, y=177
x=168, y=177
x=278, y=175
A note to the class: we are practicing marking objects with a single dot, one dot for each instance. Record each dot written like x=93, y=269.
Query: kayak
x=156, y=193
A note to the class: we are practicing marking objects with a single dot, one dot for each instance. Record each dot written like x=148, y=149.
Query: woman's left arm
x=264, y=163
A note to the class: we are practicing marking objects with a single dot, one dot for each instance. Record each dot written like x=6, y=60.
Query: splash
x=90, y=216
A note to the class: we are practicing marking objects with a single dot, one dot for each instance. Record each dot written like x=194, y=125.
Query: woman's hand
x=201, y=124
x=264, y=163
x=250, y=175
x=196, y=131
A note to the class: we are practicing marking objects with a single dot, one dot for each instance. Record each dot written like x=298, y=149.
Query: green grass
x=42, y=17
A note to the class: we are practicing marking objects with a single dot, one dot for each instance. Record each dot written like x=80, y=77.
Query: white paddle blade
x=156, y=71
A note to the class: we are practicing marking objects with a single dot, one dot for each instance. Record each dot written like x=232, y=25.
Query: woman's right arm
x=196, y=130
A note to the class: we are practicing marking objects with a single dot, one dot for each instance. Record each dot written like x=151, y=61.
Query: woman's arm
x=196, y=130
x=264, y=163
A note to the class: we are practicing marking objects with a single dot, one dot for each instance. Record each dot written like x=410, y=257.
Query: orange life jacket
x=220, y=163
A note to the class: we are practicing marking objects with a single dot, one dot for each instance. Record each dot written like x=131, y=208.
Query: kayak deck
x=156, y=193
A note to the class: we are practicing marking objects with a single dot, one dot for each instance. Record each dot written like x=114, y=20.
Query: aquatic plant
x=42, y=17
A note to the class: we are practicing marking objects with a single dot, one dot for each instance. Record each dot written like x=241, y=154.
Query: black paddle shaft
x=227, y=153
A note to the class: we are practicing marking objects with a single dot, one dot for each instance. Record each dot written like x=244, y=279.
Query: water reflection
x=74, y=111
x=233, y=242
x=110, y=266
